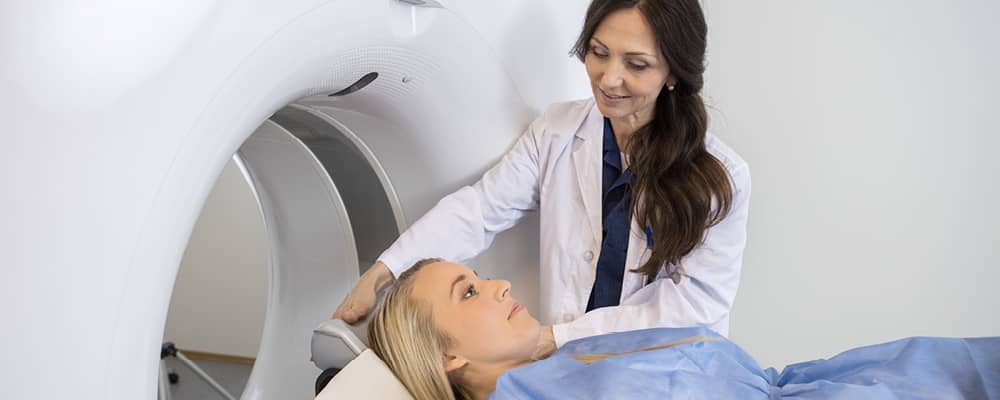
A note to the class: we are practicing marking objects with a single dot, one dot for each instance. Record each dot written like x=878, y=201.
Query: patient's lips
x=516, y=308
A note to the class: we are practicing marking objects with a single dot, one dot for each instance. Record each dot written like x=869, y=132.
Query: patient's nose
x=502, y=289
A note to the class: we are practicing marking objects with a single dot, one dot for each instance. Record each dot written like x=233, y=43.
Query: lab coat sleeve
x=703, y=296
x=464, y=223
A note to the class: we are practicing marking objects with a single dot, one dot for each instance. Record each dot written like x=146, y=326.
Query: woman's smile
x=612, y=100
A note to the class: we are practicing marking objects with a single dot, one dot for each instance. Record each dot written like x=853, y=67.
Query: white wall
x=870, y=129
x=220, y=296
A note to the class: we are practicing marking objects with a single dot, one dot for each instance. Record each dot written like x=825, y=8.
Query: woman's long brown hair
x=679, y=190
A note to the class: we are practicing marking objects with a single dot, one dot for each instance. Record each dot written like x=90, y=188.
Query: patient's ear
x=453, y=363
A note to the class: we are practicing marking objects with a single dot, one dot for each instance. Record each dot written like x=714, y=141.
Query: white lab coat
x=555, y=167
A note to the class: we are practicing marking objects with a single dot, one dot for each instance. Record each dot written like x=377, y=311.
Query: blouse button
x=588, y=256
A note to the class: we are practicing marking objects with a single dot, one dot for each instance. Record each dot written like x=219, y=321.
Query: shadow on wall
x=219, y=299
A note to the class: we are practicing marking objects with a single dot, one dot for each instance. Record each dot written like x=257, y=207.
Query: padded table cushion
x=365, y=377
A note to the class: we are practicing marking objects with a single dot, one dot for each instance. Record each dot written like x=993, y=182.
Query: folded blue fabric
x=914, y=368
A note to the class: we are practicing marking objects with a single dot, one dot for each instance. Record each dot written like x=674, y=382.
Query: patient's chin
x=525, y=317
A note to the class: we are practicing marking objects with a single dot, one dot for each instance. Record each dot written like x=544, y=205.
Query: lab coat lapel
x=586, y=158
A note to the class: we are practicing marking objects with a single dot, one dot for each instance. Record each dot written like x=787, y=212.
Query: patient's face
x=487, y=324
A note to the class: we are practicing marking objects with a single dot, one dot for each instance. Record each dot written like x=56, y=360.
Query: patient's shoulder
x=664, y=363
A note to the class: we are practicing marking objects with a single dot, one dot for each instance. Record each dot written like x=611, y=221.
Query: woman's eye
x=637, y=67
x=471, y=291
x=598, y=53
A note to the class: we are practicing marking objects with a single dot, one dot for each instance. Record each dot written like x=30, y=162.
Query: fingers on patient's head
x=347, y=316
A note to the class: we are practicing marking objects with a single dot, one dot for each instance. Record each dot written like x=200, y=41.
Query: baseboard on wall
x=205, y=356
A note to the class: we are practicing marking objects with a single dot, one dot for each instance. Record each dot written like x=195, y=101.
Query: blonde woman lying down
x=448, y=334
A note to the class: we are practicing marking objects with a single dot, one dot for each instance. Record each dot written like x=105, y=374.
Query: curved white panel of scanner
x=312, y=253
x=120, y=118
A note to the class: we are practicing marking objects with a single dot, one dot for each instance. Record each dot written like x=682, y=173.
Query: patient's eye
x=469, y=292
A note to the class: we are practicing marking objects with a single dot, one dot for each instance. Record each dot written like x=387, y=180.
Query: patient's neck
x=481, y=379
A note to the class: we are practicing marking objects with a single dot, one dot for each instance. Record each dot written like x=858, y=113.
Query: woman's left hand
x=546, y=344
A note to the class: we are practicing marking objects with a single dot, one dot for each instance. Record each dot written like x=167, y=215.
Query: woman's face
x=487, y=325
x=626, y=69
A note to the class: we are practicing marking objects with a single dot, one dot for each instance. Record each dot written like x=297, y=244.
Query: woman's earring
x=670, y=88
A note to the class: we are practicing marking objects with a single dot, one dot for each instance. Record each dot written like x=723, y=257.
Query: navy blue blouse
x=617, y=196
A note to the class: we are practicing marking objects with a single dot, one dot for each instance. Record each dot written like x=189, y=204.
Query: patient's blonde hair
x=402, y=333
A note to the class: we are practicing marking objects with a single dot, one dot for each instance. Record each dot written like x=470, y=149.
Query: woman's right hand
x=361, y=299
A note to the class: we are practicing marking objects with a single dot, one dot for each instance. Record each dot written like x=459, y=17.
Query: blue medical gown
x=914, y=368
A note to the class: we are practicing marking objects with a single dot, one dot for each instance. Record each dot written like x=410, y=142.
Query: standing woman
x=643, y=213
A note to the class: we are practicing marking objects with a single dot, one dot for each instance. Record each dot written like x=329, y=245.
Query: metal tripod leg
x=194, y=367
x=163, y=388
x=169, y=350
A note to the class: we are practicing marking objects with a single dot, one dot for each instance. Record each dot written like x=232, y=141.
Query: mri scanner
x=349, y=119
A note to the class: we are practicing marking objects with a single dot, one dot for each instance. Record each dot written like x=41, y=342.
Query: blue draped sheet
x=914, y=368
